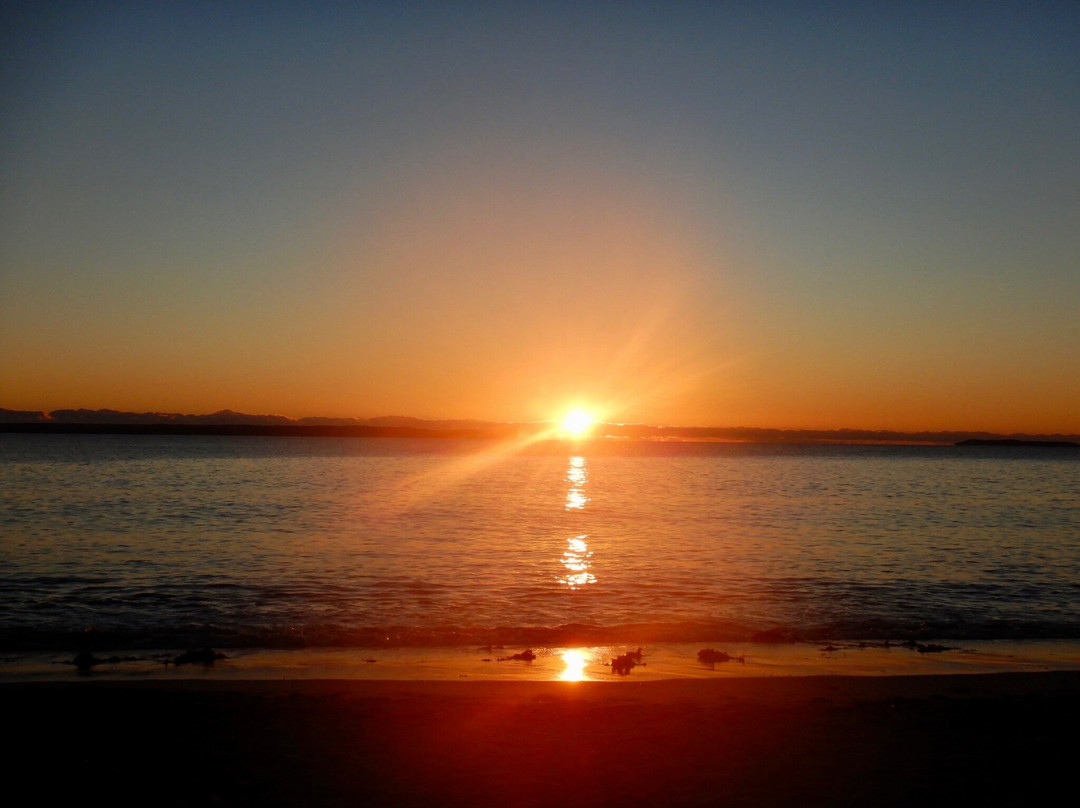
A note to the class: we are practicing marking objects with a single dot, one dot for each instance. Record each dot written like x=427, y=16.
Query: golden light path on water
x=577, y=558
x=422, y=487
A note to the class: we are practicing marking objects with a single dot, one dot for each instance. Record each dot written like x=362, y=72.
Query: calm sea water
x=157, y=542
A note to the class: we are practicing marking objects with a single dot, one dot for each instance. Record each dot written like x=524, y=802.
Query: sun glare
x=577, y=422
x=575, y=660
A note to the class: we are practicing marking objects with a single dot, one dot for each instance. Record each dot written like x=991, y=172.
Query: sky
x=787, y=215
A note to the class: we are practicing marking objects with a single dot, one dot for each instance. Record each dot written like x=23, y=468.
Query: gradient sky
x=809, y=215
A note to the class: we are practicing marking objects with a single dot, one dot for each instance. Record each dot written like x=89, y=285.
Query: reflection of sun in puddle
x=575, y=665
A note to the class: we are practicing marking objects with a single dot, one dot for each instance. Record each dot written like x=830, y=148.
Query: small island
x=1049, y=444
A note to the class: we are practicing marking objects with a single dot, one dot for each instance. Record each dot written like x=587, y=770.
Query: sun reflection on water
x=577, y=476
x=577, y=558
x=577, y=473
x=575, y=661
x=575, y=500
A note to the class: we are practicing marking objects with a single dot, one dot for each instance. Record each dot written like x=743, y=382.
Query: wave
x=329, y=635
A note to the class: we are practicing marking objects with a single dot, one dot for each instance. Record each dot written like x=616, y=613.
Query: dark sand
x=989, y=739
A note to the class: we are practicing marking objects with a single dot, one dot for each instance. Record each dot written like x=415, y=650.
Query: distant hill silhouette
x=1057, y=444
x=238, y=423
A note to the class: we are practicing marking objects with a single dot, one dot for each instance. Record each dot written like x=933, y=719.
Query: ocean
x=117, y=543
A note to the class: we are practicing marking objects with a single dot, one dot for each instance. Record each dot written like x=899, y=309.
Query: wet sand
x=806, y=741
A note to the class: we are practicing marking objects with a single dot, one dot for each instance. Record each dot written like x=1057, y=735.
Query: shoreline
x=658, y=662
x=766, y=741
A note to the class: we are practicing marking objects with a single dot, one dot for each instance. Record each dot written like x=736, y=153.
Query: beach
x=421, y=624
x=803, y=740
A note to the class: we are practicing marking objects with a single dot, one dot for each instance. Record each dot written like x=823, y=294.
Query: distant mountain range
x=219, y=418
x=228, y=422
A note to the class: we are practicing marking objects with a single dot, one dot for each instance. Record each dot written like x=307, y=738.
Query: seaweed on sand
x=203, y=656
x=710, y=656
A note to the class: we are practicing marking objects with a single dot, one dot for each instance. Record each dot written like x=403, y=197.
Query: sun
x=577, y=422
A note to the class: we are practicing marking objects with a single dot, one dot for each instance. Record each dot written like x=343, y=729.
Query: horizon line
x=129, y=420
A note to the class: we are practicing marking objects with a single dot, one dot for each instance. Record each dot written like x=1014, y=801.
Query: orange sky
x=704, y=217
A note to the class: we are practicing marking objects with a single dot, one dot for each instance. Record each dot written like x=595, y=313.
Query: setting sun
x=577, y=422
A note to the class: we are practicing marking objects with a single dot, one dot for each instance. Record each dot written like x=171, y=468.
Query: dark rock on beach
x=85, y=661
x=624, y=663
x=524, y=656
x=928, y=648
x=204, y=656
x=710, y=656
